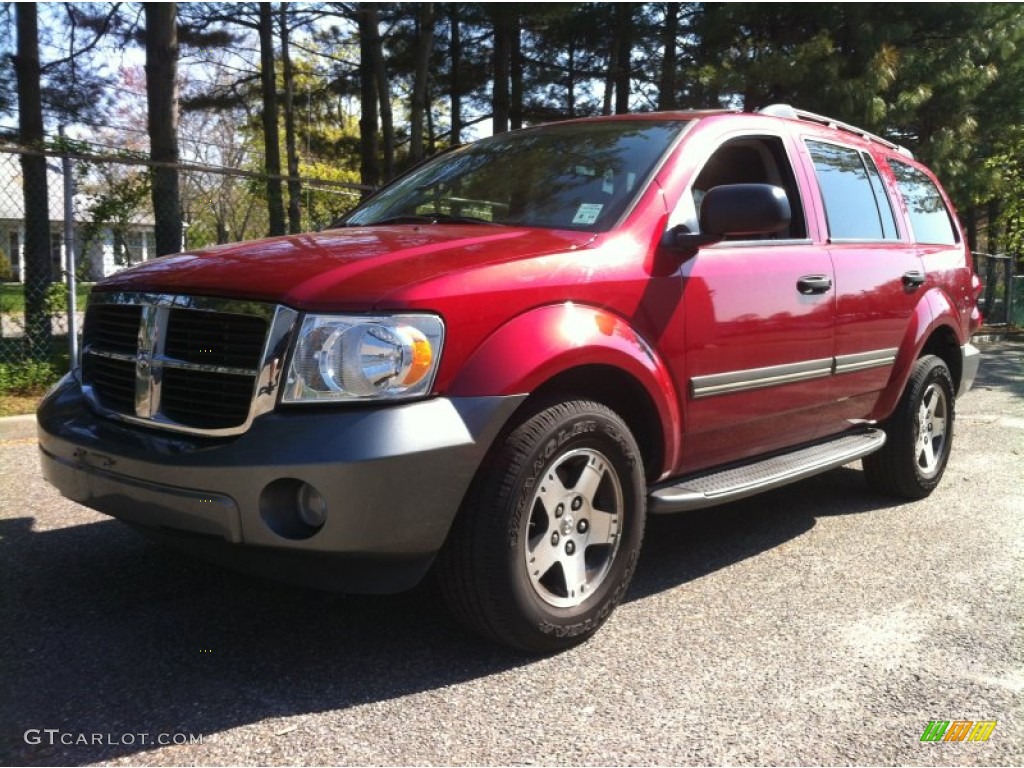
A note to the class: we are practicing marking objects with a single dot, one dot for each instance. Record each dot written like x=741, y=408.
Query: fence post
x=69, y=252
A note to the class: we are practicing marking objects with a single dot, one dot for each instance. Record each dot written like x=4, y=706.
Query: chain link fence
x=1001, y=302
x=98, y=220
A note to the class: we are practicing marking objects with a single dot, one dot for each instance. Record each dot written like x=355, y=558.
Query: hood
x=340, y=268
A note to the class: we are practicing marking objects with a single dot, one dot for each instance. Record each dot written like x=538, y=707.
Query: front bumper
x=392, y=479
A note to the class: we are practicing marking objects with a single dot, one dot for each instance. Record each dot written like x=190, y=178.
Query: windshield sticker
x=587, y=213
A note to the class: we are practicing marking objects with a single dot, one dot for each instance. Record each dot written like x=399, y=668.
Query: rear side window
x=929, y=216
x=856, y=205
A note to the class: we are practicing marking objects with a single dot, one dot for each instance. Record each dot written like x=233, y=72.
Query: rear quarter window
x=929, y=217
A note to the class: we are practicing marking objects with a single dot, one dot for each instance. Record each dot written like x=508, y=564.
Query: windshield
x=569, y=176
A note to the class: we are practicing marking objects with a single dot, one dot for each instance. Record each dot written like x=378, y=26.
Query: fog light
x=292, y=508
x=312, y=506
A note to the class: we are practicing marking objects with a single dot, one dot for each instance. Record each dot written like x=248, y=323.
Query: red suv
x=498, y=365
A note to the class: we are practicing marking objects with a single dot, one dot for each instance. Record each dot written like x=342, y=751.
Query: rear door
x=879, y=277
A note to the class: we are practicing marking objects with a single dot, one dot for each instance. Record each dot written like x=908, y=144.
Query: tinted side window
x=884, y=204
x=928, y=214
x=853, y=210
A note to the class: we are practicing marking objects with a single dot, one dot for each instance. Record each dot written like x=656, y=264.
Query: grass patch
x=12, y=296
x=18, y=405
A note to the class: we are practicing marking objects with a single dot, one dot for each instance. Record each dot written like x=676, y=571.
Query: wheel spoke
x=927, y=455
x=575, y=569
x=590, y=479
x=604, y=527
x=923, y=416
x=938, y=426
x=551, y=493
x=541, y=559
x=929, y=403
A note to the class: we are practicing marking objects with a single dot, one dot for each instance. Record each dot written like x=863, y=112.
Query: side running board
x=749, y=479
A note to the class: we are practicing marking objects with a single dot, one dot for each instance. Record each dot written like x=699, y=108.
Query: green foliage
x=56, y=301
x=30, y=377
x=323, y=203
x=1008, y=165
x=119, y=200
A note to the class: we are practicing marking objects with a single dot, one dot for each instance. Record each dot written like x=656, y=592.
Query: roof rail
x=786, y=110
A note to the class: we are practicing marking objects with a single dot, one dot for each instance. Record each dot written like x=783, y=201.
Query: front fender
x=542, y=343
x=934, y=313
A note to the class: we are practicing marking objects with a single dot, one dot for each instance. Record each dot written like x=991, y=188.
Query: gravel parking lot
x=820, y=624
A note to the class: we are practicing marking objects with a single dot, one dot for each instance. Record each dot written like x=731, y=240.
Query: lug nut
x=582, y=526
x=554, y=539
x=570, y=547
x=560, y=510
x=577, y=503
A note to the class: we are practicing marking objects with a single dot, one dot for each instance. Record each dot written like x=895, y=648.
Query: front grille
x=206, y=400
x=113, y=381
x=165, y=360
x=112, y=327
x=212, y=338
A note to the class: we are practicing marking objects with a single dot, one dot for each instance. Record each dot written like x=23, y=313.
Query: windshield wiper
x=433, y=218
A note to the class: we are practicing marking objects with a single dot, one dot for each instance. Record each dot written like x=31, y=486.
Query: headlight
x=345, y=358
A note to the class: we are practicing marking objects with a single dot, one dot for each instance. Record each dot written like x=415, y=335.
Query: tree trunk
x=455, y=54
x=623, y=56
x=38, y=272
x=515, y=35
x=609, y=82
x=424, y=48
x=294, y=185
x=370, y=27
x=369, y=165
x=971, y=225
x=570, y=81
x=502, y=56
x=669, y=59
x=162, y=100
x=271, y=145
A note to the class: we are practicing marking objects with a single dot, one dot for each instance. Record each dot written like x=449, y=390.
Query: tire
x=919, y=435
x=547, y=540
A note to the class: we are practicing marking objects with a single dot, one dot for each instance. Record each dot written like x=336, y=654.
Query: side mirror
x=745, y=209
x=730, y=210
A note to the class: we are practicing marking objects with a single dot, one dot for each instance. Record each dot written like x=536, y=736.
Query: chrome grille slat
x=188, y=364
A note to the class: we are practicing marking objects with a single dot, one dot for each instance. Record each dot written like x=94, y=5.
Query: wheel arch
x=933, y=330
x=581, y=352
x=616, y=389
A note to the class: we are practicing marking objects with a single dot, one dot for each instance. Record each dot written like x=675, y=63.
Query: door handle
x=809, y=285
x=913, y=279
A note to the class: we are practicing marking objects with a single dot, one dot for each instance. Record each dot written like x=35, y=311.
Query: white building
x=106, y=254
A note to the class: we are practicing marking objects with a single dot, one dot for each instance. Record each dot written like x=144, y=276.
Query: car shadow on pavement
x=108, y=634
x=683, y=547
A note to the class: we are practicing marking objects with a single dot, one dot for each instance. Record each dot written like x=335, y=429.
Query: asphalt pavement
x=819, y=624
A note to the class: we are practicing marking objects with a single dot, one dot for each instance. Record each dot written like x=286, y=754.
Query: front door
x=759, y=322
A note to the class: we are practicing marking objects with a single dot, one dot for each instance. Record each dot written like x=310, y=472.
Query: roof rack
x=786, y=110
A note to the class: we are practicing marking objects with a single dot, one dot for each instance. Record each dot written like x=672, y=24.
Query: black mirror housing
x=730, y=210
x=735, y=210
